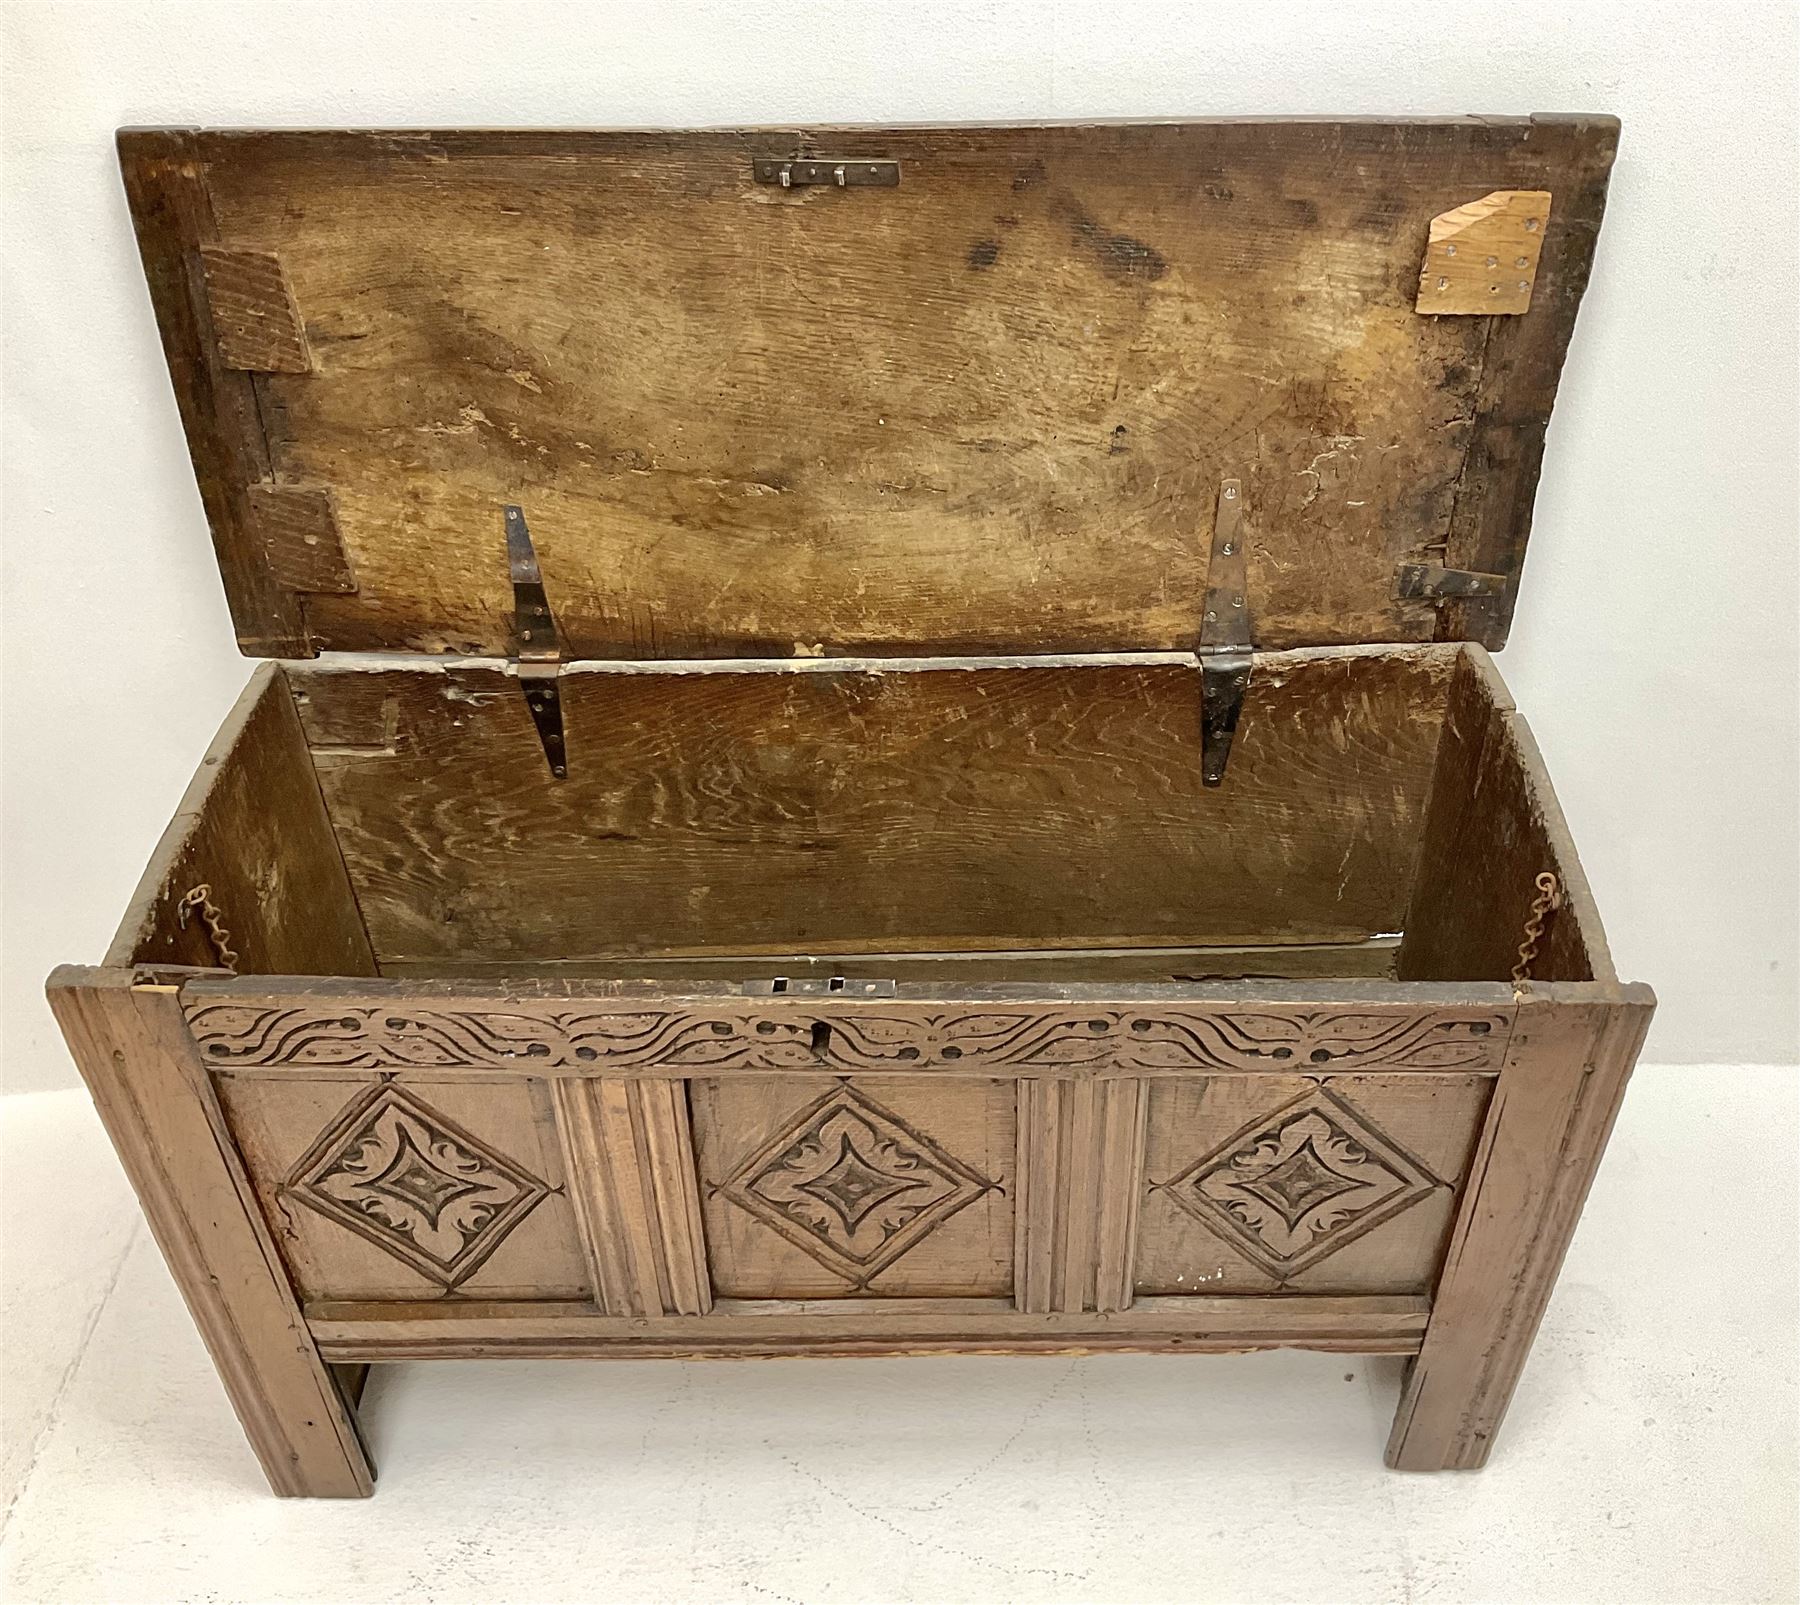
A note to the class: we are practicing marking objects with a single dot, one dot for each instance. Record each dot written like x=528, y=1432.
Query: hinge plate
x=843, y=172
x=539, y=660
x=1225, y=660
x=1432, y=582
x=835, y=986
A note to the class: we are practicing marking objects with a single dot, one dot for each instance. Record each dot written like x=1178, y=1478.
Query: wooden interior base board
x=1374, y=959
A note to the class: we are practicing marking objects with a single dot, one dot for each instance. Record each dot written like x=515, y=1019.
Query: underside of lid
x=977, y=394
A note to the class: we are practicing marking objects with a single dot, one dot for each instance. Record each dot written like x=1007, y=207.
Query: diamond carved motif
x=1298, y=1184
x=415, y=1184
x=852, y=1185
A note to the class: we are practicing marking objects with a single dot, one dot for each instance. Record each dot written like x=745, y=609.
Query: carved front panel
x=1264, y=1184
x=1068, y=1156
x=887, y=1185
x=376, y=1191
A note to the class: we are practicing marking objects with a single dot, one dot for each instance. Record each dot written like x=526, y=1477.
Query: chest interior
x=987, y=553
x=1385, y=816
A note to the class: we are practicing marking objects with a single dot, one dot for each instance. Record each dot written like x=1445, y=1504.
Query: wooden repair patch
x=297, y=527
x=1483, y=257
x=255, y=319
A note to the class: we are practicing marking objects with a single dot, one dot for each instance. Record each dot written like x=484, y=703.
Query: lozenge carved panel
x=852, y=1185
x=1297, y=1184
x=1343, y=1184
x=378, y=1191
x=889, y=1186
x=411, y=1181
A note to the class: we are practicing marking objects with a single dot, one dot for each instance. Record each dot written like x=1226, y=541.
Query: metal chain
x=1548, y=899
x=200, y=897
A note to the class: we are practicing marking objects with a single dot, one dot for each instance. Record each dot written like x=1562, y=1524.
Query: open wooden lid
x=941, y=391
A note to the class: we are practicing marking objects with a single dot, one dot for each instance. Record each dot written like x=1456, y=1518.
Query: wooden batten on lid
x=869, y=391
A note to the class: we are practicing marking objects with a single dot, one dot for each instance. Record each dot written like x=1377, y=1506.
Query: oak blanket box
x=881, y=741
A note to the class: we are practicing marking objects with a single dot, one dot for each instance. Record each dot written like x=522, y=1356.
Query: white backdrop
x=1655, y=647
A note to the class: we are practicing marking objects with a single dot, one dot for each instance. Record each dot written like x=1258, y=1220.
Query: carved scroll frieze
x=705, y=1039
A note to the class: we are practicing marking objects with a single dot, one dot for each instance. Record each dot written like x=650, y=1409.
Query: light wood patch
x=1483, y=257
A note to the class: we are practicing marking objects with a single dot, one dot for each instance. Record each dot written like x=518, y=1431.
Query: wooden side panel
x=379, y=1190
x=988, y=409
x=1492, y=826
x=252, y=827
x=630, y=1161
x=894, y=1186
x=1553, y=1109
x=1287, y=1184
x=838, y=810
x=1080, y=1173
x=134, y=1051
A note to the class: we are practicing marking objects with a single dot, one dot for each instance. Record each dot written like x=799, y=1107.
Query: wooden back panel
x=825, y=808
x=987, y=410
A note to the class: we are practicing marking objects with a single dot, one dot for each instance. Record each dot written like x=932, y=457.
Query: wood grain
x=151, y=1091
x=755, y=1328
x=1371, y=959
x=252, y=826
x=810, y=811
x=254, y=318
x=1521, y=362
x=1553, y=1109
x=986, y=410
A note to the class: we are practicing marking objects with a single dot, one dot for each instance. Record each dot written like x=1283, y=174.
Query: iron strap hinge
x=1225, y=644
x=539, y=662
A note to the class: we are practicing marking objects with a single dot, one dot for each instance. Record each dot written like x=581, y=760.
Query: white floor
x=1650, y=1455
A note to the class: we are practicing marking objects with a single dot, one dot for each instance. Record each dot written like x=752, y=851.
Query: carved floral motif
x=853, y=1186
x=402, y=1176
x=1298, y=1184
x=704, y=1039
